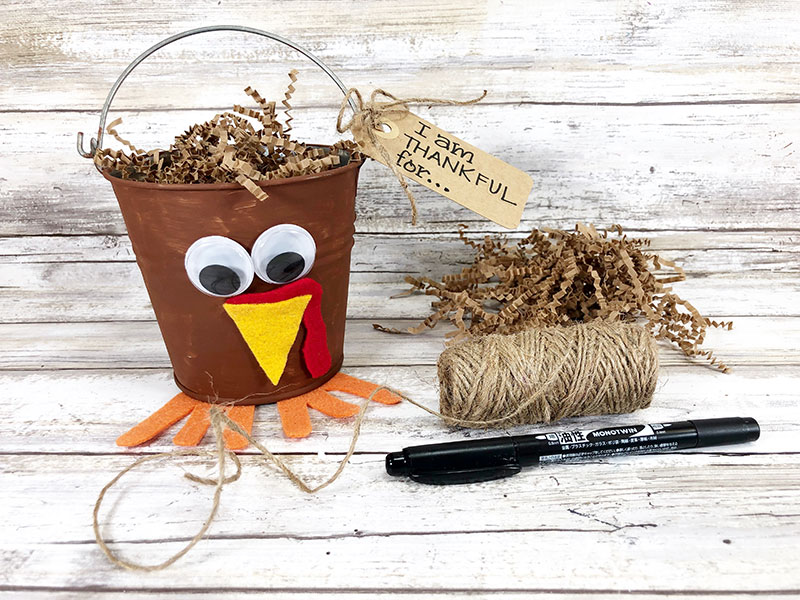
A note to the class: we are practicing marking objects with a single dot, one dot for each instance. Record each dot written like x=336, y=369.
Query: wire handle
x=96, y=143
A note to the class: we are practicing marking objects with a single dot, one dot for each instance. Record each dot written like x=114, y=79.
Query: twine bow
x=372, y=114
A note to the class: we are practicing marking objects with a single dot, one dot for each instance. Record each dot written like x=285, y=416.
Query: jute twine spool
x=531, y=377
x=541, y=375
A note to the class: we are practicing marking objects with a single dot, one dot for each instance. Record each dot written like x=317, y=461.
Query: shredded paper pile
x=228, y=148
x=556, y=277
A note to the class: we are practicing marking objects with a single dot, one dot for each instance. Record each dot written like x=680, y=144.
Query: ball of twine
x=535, y=376
x=545, y=374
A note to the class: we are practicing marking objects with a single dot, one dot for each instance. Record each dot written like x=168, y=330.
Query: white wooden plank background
x=676, y=119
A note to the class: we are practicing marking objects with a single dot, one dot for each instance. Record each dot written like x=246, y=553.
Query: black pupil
x=285, y=266
x=219, y=279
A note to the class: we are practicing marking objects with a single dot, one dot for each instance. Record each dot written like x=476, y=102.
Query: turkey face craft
x=244, y=315
x=267, y=321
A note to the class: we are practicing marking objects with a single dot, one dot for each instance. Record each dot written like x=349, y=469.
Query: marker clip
x=475, y=475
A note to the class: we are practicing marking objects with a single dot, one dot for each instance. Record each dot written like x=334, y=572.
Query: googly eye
x=283, y=253
x=218, y=266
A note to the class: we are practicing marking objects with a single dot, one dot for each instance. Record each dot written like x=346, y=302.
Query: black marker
x=494, y=458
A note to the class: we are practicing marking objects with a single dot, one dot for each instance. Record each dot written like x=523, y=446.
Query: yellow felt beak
x=270, y=330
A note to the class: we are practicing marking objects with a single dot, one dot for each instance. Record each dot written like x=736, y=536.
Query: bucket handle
x=96, y=143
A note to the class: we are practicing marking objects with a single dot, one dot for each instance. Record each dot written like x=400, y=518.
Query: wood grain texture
x=676, y=119
x=631, y=513
x=667, y=167
x=673, y=481
x=51, y=278
x=65, y=416
x=62, y=592
x=66, y=292
x=628, y=51
x=132, y=344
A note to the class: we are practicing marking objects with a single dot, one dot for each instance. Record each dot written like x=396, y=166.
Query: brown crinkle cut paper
x=229, y=148
x=554, y=277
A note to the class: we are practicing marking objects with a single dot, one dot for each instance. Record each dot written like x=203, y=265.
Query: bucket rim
x=353, y=164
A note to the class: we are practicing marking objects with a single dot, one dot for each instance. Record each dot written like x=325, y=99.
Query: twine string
x=373, y=113
x=542, y=375
x=218, y=483
x=533, y=376
x=219, y=420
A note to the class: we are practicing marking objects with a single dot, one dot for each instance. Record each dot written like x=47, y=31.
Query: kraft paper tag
x=455, y=169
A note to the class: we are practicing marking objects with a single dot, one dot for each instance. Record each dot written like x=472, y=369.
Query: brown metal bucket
x=212, y=356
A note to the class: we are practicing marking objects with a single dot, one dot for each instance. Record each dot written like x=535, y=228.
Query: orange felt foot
x=243, y=416
x=196, y=425
x=195, y=428
x=358, y=387
x=169, y=414
x=294, y=411
x=294, y=417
